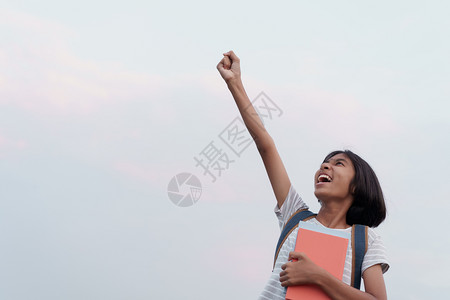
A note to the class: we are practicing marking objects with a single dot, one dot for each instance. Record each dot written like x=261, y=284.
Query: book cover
x=327, y=248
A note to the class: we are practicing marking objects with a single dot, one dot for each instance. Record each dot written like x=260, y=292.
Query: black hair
x=368, y=207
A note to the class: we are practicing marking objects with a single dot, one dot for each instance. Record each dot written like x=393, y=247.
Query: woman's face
x=332, y=180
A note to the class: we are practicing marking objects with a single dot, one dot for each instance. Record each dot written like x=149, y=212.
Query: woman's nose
x=325, y=166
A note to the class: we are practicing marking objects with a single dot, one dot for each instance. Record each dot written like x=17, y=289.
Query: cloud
x=42, y=74
x=332, y=116
x=136, y=171
x=242, y=261
x=10, y=145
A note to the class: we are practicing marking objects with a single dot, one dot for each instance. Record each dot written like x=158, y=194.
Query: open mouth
x=324, y=178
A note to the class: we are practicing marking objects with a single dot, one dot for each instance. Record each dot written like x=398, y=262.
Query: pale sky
x=102, y=103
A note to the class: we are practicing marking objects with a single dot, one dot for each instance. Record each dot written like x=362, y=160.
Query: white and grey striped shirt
x=376, y=253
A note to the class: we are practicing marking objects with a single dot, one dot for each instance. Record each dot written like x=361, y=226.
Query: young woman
x=348, y=191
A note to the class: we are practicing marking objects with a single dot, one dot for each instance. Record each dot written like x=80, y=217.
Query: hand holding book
x=300, y=270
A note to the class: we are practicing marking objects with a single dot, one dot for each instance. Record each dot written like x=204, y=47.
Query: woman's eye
x=339, y=163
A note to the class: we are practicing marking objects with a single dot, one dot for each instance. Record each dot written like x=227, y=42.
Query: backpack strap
x=291, y=224
x=359, y=249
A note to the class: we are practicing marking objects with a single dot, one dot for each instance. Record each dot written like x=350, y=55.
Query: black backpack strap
x=359, y=249
x=291, y=224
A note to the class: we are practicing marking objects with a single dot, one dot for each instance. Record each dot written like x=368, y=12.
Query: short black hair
x=368, y=207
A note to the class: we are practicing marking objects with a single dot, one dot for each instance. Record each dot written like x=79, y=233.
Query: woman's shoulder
x=292, y=203
x=372, y=235
x=376, y=251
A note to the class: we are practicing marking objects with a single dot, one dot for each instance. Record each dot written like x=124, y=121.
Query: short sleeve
x=292, y=203
x=376, y=253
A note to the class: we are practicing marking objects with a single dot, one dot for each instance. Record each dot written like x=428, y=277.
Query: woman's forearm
x=338, y=290
x=251, y=118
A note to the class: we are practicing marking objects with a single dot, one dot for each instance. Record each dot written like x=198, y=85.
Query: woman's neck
x=333, y=216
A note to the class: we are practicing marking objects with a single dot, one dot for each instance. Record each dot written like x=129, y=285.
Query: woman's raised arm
x=230, y=70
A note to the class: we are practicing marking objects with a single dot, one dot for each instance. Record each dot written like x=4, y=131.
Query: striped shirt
x=376, y=253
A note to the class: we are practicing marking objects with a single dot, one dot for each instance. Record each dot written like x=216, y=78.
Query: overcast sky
x=103, y=103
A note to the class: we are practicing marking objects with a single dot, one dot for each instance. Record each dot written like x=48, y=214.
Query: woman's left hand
x=300, y=270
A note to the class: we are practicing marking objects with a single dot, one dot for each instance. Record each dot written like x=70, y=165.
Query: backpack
x=359, y=242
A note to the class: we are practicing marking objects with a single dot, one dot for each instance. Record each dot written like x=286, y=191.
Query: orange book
x=327, y=248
